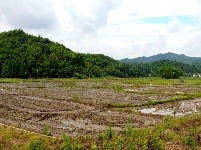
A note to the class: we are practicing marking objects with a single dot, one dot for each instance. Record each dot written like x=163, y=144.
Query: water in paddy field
x=179, y=109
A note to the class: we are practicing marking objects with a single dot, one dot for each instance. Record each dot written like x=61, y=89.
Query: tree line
x=27, y=56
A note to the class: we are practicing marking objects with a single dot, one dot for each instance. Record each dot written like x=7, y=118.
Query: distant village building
x=197, y=75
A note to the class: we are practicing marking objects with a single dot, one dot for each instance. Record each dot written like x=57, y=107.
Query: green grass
x=183, y=131
x=182, y=97
x=17, y=80
x=160, y=81
x=110, y=80
x=69, y=85
x=75, y=97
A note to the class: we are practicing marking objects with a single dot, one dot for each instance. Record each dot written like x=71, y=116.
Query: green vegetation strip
x=111, y=80
x=156, y=102
x=181, y=132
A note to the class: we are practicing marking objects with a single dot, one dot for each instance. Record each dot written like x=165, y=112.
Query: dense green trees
x=168, y=72
x=24, y=56
x=152, y=69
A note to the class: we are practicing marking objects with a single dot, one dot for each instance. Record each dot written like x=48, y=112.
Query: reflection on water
x=179, y=109
x=148, y=110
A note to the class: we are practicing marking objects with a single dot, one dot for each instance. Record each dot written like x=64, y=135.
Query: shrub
x=156, y=143
x=190, y=142
x=168, y=72
x=94, y=147
x=36, y=145
x=45, y=129
x=66, y=143
x=109, y=132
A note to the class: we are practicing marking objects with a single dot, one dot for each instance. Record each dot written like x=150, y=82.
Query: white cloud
x=3, y=25
x=174, y=25
x=28, y=14
x=192, y=46
x=110, y=27
x=85, y=17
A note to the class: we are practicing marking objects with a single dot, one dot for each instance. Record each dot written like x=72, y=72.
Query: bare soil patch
x=78, y=108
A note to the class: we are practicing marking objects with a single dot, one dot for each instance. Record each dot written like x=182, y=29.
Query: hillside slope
x=23, y=55
x=169, y=56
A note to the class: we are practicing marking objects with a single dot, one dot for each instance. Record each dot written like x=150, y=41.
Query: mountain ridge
x=169, y=56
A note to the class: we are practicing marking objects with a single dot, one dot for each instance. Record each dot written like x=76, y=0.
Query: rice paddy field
x=100, y=113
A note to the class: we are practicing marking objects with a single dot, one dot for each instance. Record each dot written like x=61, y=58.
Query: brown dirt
x=75, y=110
x=176, y=146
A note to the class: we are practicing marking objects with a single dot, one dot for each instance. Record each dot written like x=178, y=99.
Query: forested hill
x=24, y=55
x=169, y=56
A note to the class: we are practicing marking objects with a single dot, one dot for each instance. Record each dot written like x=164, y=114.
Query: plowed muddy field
x=79, y=108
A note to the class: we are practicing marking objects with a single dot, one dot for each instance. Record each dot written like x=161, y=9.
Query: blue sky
x=116, y=28
x=186, y=20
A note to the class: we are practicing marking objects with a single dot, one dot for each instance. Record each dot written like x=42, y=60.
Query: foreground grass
x=171, y=133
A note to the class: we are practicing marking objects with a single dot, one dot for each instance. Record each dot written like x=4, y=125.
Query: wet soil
x=175, y=109
x=78, y=108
